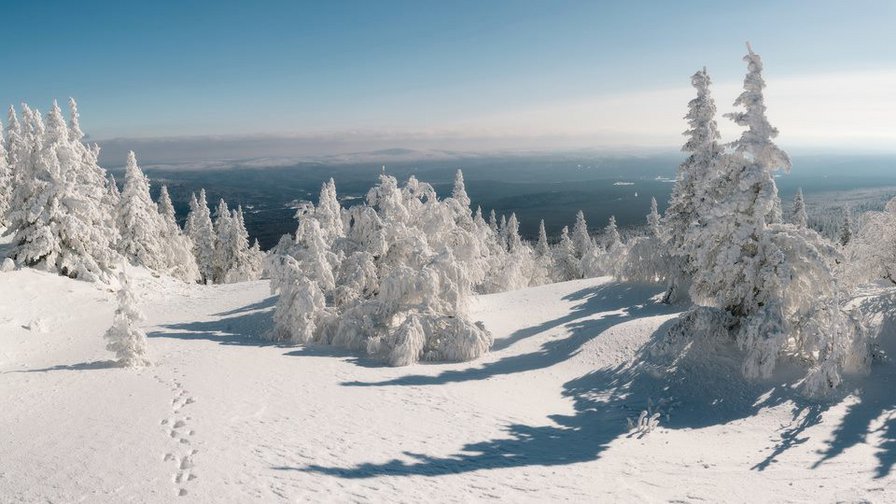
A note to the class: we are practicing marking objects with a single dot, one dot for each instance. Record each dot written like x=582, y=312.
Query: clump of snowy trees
x=768, y=285
x=68, y=216
x=393, y=277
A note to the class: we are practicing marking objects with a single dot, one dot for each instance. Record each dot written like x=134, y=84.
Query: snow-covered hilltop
x=224, y=416
x=409, y=348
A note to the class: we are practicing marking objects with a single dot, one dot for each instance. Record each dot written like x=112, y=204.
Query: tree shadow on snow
x=264, y=304
x=244, y=326
x=875, y=400
x=330, y=351
x=602, y=307
x=602, y=400
x=689, y=390
x=81, y=366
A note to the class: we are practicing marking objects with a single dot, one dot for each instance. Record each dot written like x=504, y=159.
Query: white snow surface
x=224, y=416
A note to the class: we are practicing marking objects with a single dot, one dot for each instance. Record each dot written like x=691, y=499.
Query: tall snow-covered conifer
x=200, y=229
x=139, y=221
x=580, y=237
x=693, y=183
x=799, y=216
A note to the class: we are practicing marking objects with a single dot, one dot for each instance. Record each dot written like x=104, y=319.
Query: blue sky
x=432, y=69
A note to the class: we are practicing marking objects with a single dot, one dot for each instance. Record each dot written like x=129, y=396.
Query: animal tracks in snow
x=182, y=456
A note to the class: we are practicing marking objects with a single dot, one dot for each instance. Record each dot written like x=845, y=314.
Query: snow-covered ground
x=225, y=417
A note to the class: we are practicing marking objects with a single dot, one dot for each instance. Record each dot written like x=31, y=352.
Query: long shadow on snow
x=245, y=328
x=875, y=400
x=603, y=400
x=264, y=304
x=81, y=366
x=617, y=302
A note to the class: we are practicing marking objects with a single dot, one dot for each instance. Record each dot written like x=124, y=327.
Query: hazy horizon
x=310, y=79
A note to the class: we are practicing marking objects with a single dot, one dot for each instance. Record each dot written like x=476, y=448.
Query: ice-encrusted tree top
x=756, y=140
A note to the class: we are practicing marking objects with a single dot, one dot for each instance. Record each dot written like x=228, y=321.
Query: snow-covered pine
x=493, y=222
x=845, y=235
x=14, y=148
x=798, y=216
x=113, y=195
x=6, y=180
x=232, y=259
x=125, y=337
x=541, y=247
x=514, y=241
x=646, y=259
x=773, y=281
x=57, y=211
x=139, y=222
x=176, y=245
x=459, y=192
x=694, y=175
x=580, y=237
x=653, y=219
x=201, y=231
x=611, y=234
x=224, y=236
x=328, y=212
x=301, y=306
x=566, y=265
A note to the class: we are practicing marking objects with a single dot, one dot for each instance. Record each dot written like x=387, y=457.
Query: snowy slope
x=224, y=417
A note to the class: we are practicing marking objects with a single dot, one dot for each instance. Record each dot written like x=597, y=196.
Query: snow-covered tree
x=845, y=227
x=459, y=193
x=139, y=221
x=393, y=286
x=6, y=180
x=301, y=309
x=329, y=212
x=232, y=260
x=514, y=241
x=125, y=337
x=566, y=265
x=653, y=219
x=689, y=200
x=611, y=234
x=202, y=235
x=773, y=281
x=57, y=211
x=871, y=252
x=176, y=245
x=542, y=248
x=580, y=237
x=798, y=216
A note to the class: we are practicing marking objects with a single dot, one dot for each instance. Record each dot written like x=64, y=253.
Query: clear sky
x=578, y=73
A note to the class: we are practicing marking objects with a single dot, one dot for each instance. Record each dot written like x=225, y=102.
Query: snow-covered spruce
x=691, y=186
x=57, y=210
x=125, y=337
x=774, y=281
x=201, y=232
x=146, y=239
x=798, y=216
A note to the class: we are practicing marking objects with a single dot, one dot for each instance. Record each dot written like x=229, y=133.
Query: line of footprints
x=177, y=427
